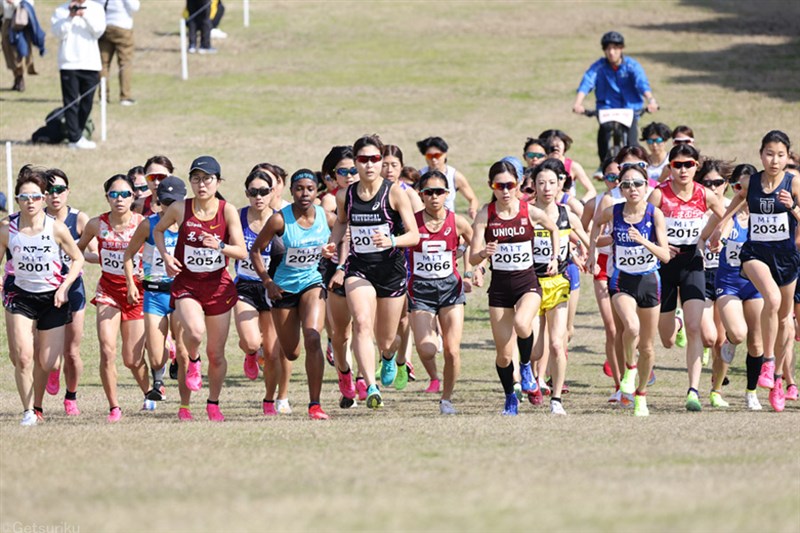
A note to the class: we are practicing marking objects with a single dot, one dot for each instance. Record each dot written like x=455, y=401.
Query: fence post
x=103, y=108
x=246, y=13
x=184, y=59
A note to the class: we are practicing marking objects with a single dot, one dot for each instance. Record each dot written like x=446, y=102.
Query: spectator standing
x=78, y=24
x=199, y=20
x=18, y=43
x=118, y=39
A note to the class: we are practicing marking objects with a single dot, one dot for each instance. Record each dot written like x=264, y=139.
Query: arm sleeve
x=95, y=20
x=589, y=79
x=60, y=22
x=132, y=6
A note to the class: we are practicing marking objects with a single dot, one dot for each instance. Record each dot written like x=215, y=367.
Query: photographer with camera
x=78, y=24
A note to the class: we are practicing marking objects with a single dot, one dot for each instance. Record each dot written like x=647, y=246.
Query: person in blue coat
x=18, y=43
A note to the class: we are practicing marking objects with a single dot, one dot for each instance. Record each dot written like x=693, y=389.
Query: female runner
x=656, y=135
x=36, y=290
x=381, y=221
x=436, y=291
x=503, y=232
x=296, y=290
x=684, y=203
x=639, y=235
x=557, y=143
x=115, y=312
x=534, y=152
x=156, y=169
x=769, y=257
x=203, y=292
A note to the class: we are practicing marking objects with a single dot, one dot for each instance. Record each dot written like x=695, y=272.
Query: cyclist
x=619, y=82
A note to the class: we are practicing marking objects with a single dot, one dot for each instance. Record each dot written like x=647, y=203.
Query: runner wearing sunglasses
x=36, y=288
x=556, y=144
x=156, y=169
x=340, y=165
x=684, y=203
x=503, y=232
x=656, y=135
x=116, y=312
x=58, y=193
x=556, y=287
x=296, y=290
x=769, y=257
x=436, y=290
x=739, y=304
x=381, y=223
x=434, y=149
x=639, y=243
x=203, y=293
x=534, y=151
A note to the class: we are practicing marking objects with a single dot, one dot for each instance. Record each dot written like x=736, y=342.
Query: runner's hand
x=172, y=266
x=60, y=297
x=552, y=267
x=328, y=250
x=133, y=294
x=337, y=280
x=273, y=291
x=491, y=248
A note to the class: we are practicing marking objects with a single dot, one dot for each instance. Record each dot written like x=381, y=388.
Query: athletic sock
x=345, y=372
x=268, y=401
x=158, y=375
x=506, y=377
x=640, y=393
x=554, y=399
x=383, y=356
x=753, y=370
x=185, y=407
x=693, y=390
x=195, y=360
x=525, y=347
x=629, y=367
x=312, y=404
x=70, y=395
x=212, y=402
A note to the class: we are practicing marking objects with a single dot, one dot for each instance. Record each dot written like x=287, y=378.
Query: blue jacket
x=615, y=89
x=33, y=30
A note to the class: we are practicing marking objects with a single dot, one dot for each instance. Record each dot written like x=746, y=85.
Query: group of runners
x=367, y=253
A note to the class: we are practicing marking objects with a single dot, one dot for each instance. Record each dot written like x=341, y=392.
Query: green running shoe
x=706, y=356
x=640, y=406
x=628, y=383
x=401, y=379
x=680, y=338
x=374, y=400
x=717, y=400
x=693, y=402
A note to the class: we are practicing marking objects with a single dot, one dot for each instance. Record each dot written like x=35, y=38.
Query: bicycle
x=618, y=122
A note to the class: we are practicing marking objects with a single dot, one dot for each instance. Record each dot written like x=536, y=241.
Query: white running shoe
x=28, y=418
x=615, y=398
x=556, y=408
x=283, y=407
x=751, y=399
x=446, y=408
x=217, y=33
x=83, y=144
x=728, y=351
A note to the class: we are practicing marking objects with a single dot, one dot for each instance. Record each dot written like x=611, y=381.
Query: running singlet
x=299, y=266
x=111, y=247
x=434, y=257
x=514, y=239
x=616, y=198
x=729, y=255
x=244, y=268
x=684, y=219
x=36, y=258
x=152, y=262
x=201, y=264
x=543, y=244
x=71, y=221
x=630, y=257
x=771, y=223
x=367, y=217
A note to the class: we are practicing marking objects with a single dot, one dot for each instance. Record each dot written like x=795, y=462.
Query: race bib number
x=634, y=259
x=31, y=270
x=513, y=256
x=303, y=257
x=362, y=238
x=111, y=261
x=710, y=259
x=543, y=247
x=769, y=228
x=153, y=258
x=203, y=259
x=433, y=265
x=245, y=267
x=623, y=116
x=732, y=251
x=683, y=231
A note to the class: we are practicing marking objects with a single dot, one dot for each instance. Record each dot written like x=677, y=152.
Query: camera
x=76, y=8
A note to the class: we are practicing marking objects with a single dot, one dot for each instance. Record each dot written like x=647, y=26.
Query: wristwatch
x=468, y=275
x=221, y=246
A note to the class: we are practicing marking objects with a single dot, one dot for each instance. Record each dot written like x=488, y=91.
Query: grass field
x=484, y=75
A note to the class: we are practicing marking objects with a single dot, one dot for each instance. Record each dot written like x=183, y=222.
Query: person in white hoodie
x=118, y=39
x=78, y=24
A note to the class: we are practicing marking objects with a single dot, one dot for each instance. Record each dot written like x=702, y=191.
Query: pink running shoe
x=214, y=414
x=185, y=415
x=315, y=412
x=435, y=387
x=53, y=382
x=766, y=379
x=776, y=396
x=171, y=348
x=346, y=385
x=251, y=366
x=791, y=392
x=329, y=353
x=269, y=408
x=411, y=375
x=71, y=408
x=39, y=416
x=194, y=378
x=607, y=369
x=114, y=415
x=361, y=388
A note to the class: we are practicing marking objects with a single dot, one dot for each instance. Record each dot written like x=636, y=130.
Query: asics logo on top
x=376, y=206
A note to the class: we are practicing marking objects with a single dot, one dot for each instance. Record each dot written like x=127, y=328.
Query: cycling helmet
x=612, y=37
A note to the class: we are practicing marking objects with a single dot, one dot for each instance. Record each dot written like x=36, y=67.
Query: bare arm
x=537, y=216
x=173, y=215
x=69, y=246
x=275, y=226
x=579, y=175
x=89, y=233
x=463, y=186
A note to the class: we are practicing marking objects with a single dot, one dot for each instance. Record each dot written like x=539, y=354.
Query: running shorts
x=77, y=296
x=683, y=273
x=730, y=283
x=555, y=291
x=574, y=276
x=214, y=300
x=390, y=278
x=157, y=303
x=711, y=286
x=432, y=295
x=253, y=294
x=37, y=306
x=646, y=289
x=783, y=264
x=602, y=262
x=118, y=299
x=292, y=299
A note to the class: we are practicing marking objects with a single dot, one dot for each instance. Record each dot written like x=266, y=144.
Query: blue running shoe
x=374, y=400
x=529, y=384
x=652, y=379
x=512, y=405
x=388, y=370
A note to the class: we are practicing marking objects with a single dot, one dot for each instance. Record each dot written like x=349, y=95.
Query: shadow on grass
x=770, y=69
